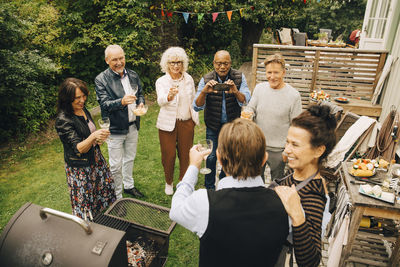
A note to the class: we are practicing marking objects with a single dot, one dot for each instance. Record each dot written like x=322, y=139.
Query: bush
x=28, y=92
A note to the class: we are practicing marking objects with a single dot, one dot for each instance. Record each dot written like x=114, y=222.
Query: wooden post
x=379, y=69
x=353, y=229
x=254, y=69
x=315, y=70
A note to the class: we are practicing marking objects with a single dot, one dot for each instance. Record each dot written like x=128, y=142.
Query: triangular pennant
x=185, y=16
x=241, y=12
x=229, y=14
x=214, y=16
x=169, y=15
x=162, y=13
x=200, y=16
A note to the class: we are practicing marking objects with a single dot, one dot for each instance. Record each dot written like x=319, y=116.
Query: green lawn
x=35, y=173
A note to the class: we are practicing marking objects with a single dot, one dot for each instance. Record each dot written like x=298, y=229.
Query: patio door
x=377, y=19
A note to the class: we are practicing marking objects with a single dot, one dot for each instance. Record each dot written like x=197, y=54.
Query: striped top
x=307, y=236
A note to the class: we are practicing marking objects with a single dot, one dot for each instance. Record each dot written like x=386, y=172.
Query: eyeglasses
x=219, y=64
x=175, y=63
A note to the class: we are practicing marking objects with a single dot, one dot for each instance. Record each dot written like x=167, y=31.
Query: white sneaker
x=169, y=189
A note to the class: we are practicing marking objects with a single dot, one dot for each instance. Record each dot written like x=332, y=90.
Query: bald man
x=118, y=91
x=220, y=106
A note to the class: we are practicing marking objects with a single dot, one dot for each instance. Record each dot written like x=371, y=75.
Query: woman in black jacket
x=89, y=179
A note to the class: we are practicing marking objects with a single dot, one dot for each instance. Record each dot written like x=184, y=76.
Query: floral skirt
x=91, y=188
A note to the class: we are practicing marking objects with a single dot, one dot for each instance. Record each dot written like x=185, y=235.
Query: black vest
x=246, y=227
x=213, y=109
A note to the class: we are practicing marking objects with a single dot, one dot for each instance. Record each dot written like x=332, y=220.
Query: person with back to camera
x=275, y=103
x=90, y=184
x=241, y=223
x=311, y=137
x=220, y=106
x=176, y=120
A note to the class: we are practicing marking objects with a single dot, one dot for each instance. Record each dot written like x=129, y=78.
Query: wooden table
x=363, y=205
x=361, y=107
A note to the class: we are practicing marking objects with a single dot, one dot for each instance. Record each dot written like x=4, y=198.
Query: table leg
x=354, y=225
x=395, y=259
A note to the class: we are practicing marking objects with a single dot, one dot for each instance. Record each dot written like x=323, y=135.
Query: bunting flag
x=214, y=16
x=168, y=14
x=229, y=14
x=200, y=16
x=185, y=16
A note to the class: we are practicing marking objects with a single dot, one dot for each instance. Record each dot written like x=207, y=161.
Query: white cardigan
x=168, y=109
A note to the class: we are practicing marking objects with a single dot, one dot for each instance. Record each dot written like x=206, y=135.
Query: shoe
x=169, y=189
x=134, y=192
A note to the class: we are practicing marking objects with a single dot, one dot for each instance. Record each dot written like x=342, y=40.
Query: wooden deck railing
x=338, y=71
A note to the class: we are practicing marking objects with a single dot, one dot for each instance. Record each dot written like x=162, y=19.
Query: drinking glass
x=247, y=113
x=205, y=145
x=104, y=123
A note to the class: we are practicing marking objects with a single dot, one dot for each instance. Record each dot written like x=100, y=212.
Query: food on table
x=363, y=167
x=383, y=164
x=377, y=190
x=320, y=95
x=341, y=99
x=366, y=188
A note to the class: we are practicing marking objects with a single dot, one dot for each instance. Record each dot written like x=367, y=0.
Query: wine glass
x=104, y=123
x=205, y=145
x=247, y=113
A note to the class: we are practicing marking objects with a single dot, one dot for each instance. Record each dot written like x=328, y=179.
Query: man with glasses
x=220, y=106
x=118, y=91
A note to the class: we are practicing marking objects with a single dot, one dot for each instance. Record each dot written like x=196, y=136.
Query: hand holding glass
x=205, y=146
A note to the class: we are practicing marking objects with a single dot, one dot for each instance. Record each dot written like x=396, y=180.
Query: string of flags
x=168, y=14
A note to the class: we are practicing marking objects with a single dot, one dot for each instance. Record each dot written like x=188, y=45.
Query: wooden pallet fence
x=338, y=71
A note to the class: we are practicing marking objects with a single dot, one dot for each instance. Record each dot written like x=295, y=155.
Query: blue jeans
x=211, y=161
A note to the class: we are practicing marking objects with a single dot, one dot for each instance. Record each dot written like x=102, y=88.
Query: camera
x=221, y=87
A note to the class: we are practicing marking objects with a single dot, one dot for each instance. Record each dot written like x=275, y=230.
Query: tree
x=26, y=79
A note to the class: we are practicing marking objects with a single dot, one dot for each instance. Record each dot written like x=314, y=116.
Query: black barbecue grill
x=37, y=236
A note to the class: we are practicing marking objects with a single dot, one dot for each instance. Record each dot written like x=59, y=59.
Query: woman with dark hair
x=88, y=176
x=311, y=137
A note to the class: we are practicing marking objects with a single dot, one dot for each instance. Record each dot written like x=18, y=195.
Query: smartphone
x=221, y=87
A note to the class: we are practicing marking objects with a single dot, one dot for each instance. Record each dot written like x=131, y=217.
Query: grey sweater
x=274, y=110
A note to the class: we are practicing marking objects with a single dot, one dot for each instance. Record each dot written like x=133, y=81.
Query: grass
x=34, y=172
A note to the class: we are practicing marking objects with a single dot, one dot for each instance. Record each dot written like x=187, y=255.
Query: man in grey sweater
x=275, y=104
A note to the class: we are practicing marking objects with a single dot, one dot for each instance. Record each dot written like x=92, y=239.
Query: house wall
x=392, y=89
x=395, y=22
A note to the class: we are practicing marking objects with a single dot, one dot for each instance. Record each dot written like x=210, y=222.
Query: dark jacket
x=72, y=130
x=213, y=108
x=109, y=92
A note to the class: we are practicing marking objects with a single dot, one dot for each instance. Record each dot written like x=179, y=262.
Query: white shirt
x=190, y=208
x=129, y=91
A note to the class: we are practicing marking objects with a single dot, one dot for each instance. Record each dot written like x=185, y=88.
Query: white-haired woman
x=176, y=120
